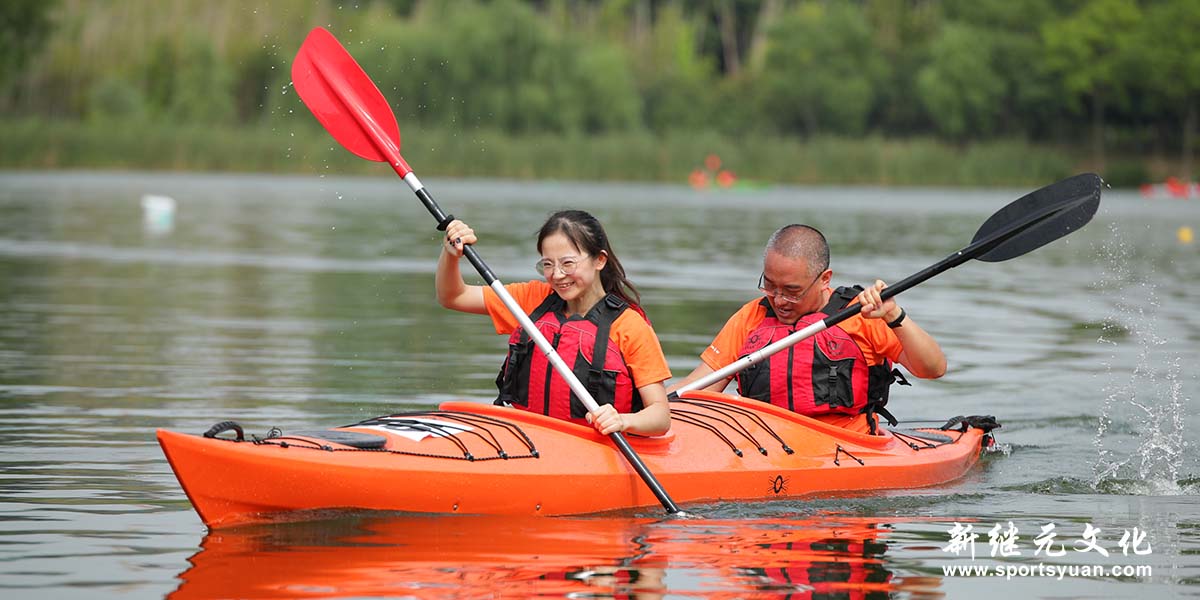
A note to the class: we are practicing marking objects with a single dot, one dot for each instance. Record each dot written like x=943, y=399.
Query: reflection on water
x=308, y=302
x=454, y=557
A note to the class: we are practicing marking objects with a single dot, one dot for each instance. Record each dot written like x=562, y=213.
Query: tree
x=1086, y=50
x=1166, y=57
x=959, y=87
x=499, y=65
x=1031, y=103
x=673, y=78
x=903, y=31
x=821, y=70
x=24, y=26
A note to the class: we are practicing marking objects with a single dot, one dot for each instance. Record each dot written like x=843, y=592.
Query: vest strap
x=603, y=314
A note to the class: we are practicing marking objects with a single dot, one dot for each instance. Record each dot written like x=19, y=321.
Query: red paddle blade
x=345, y=100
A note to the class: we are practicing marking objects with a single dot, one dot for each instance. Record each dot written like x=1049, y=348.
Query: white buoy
x=158, y=213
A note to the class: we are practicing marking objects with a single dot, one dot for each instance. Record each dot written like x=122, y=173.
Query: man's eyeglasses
x=770, y=290
x=566, y=266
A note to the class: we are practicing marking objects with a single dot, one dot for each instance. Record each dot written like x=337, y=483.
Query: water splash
x=1149, y=398
x=1000, y=448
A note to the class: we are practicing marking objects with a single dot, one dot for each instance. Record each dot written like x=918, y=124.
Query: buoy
x=1171, y=188
x=726, y=179
x=712, y=162
x=1184, y=234
x=158, y=213
x=698, y=179
x=1177, y=188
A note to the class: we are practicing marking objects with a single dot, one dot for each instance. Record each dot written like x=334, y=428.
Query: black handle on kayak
x=224, y=426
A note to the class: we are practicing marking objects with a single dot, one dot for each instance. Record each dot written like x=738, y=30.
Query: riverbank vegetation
x=903, y=92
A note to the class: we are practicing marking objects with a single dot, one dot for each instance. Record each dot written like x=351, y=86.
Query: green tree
x=673, y=79
x=903, y=31
x=115, y=98
x=959, y=87
x=1031, y=103
x=1166, y=57
x=24, y=27
x=1086, y=50
x=821, y=70
x=203, y=91
x=498, y=65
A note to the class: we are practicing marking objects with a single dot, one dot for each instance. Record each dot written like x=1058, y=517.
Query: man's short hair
x=801, y=241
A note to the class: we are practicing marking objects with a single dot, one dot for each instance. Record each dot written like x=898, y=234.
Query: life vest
x=528, y=380
x=838, y=379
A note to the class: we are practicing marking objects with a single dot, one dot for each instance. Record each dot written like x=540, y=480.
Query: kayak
x=480, y=459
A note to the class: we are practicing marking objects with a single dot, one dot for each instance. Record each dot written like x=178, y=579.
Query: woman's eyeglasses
x=566, y=266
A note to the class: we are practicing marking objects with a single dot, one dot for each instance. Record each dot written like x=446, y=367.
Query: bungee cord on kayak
x=425, y=424
x=725, y=414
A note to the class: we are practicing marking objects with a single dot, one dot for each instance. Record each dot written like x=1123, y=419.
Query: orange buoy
x=712, y=162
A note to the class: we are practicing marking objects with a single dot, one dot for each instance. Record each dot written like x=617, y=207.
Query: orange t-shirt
x=873, y=337
x=634, y=336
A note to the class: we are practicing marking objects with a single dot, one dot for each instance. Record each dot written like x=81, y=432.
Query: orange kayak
x=471, y=458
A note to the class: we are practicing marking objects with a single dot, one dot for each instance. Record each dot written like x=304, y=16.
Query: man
x=839, y=376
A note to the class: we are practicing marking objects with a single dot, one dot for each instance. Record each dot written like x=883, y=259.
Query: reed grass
x=629, y=156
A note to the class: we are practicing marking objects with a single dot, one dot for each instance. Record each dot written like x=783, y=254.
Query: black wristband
x=899, y=320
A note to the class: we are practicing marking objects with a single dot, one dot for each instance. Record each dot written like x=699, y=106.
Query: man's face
x=791, y=288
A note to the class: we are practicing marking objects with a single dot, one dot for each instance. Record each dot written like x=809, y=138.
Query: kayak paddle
x=1026, y=224
x=353, y=110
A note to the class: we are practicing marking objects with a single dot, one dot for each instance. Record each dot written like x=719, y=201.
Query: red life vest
x=824, y=374
x=528, y=380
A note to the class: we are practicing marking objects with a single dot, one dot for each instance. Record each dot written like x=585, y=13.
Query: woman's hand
x=458, y=235
x=607, y=420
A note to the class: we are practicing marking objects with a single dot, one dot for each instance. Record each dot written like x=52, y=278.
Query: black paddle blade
x=1039, y=217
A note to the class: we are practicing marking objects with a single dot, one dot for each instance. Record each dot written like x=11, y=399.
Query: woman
x=588, y=309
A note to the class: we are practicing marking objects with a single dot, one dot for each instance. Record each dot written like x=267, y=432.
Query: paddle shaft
x=974, y=250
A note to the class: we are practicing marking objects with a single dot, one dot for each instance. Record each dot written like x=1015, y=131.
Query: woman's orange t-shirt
x=634, y=336
x=873, y=337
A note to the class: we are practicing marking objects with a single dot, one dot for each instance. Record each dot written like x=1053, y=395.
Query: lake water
x=306, y=302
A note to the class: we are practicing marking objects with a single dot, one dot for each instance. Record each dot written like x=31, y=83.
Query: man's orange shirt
x=873, y=337
x=634, y=336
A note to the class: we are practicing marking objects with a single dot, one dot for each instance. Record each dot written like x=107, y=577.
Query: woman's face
x=559, y=254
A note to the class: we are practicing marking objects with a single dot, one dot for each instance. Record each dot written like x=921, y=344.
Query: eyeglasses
x=566, y=266
x=780, y=295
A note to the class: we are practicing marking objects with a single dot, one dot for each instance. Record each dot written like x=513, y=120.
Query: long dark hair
x=586, y=232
